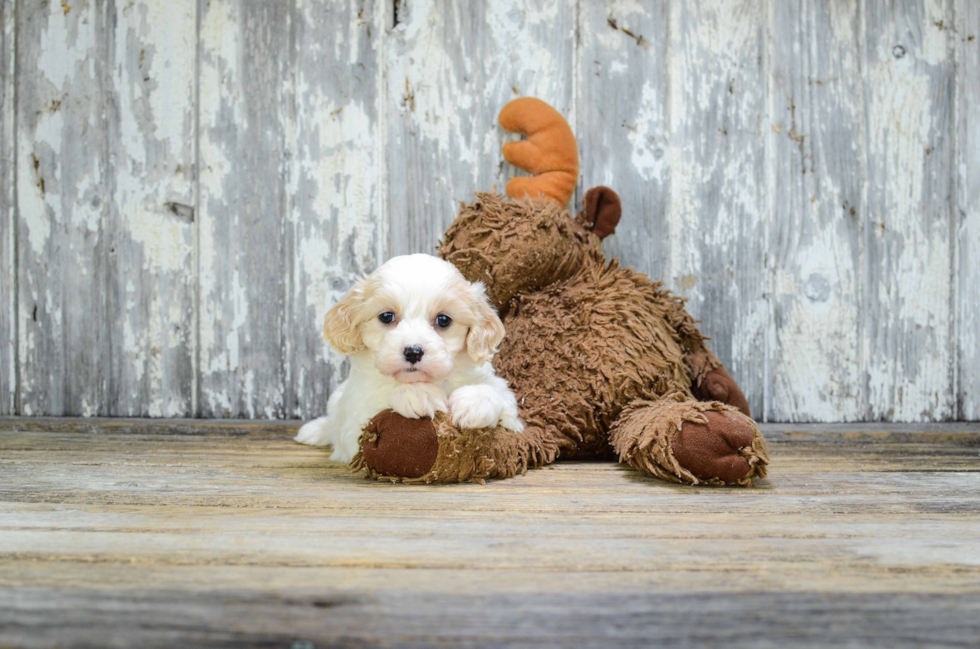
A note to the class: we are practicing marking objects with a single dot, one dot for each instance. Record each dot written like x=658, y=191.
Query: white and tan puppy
x=420, y=339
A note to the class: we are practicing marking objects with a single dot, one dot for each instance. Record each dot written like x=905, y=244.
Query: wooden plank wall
x=186, y=187
x=966, y=213
x=8, y=285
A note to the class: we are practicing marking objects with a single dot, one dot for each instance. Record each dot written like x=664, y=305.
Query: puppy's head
x=417, y=315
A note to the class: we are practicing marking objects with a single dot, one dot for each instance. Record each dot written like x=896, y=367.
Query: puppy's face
x=416, y=314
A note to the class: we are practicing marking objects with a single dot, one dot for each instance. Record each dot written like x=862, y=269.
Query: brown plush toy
x=604, y=361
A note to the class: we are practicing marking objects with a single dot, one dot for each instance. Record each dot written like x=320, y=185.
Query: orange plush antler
x=550, y=152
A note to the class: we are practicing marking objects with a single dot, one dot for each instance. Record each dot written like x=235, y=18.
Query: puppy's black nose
x=413, y=354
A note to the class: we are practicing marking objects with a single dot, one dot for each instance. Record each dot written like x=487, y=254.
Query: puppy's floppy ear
x=487, y=332
x=341, y=327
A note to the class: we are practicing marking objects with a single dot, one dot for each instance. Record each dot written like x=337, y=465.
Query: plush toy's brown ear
x=602, y=211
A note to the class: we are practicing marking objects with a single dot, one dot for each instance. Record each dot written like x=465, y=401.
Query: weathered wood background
x=187, y=187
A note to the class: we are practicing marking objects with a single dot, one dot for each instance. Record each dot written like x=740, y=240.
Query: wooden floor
x=123, y=533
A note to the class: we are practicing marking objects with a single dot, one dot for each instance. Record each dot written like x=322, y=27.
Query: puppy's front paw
x=416, y=400
x=475, y=406
x=510, y=421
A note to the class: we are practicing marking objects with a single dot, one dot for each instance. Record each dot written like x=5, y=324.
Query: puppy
x=420, y=339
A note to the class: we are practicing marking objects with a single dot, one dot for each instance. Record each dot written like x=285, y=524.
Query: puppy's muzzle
x=413, y=354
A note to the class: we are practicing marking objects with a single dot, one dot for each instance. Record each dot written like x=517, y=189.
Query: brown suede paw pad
x=712, y=450
x=400, y=447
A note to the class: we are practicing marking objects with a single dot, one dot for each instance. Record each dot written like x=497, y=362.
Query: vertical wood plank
x=815, y=241
x=718, y=199
x=909, y=77
x=623, y=127
x=451, y=68
x=61, y=197
x=152, y=59
x=336, y=219
x=967, y=213
x=8, y=211
x=244, y=50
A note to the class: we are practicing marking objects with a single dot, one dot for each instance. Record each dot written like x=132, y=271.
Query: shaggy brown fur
x=390, y=446
x=602, y=360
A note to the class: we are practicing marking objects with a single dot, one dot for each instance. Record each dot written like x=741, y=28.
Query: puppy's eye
x=387, y=317
x=443, y=320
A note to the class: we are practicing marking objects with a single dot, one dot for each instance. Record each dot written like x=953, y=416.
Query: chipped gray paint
x=623, y=123
x=244, y=67
x=718, y=194
x=908, y=359
x=816, y=141
x=150, y=104
x=450, y=69
x=62, y=196
x=8, y=215
x=336, y=226
x=188, y=186
x=966, y=215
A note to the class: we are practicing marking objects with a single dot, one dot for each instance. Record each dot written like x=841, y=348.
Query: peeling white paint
x=153, y=64
x=8, y=222
x=735, y=195
x=444, y=92
x=649, y=152
x=426, y=78
x=218, y=335
x=717, y=193
x=908, y=351
x=65, y=46
x=815, y=133
x=968, y=209
x=60, y=202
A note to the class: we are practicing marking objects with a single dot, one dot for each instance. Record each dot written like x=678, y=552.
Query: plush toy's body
x=602, y=360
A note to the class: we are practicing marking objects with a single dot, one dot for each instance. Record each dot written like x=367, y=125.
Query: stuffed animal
x=604, y=361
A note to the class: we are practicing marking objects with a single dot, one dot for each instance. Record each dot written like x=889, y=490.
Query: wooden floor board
x=190, y=533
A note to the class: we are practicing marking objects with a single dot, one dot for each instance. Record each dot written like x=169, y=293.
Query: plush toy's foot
x=393, y=445
x=434, y=451
x=728, y=447
x=691, y=442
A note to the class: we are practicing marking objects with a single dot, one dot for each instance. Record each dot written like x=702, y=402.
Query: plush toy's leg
x=693, y=442
x=435, y=451
x=710, y=381
x=718, y=385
